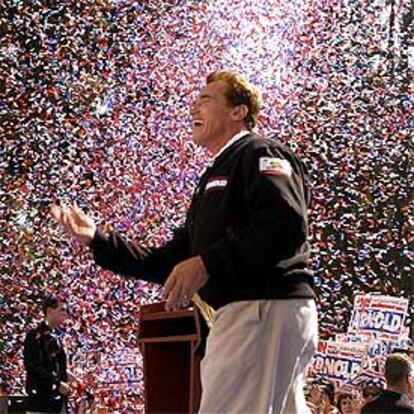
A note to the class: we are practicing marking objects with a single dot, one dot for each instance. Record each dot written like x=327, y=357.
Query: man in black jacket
x=243, y=249
x=399, y=395
x=45, y=363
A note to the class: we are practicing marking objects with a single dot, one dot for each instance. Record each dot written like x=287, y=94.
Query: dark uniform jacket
x=45, y=363
x=248, y=221
x=388, y=402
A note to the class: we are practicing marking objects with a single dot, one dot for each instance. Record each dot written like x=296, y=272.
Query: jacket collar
x=230, y=142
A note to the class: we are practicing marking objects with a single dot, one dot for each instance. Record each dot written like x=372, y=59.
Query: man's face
x=57, y=316
x=211, y=114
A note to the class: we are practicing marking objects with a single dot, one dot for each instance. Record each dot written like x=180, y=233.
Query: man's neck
x=221, y=144
x=49, y=324
x=216, y=146
x=399, y=389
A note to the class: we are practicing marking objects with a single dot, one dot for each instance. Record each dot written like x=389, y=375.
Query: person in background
x=348, y=404
x=47, y=384
x=313, y=397
x=399, y=395
x=328, y=399
x=320, y=398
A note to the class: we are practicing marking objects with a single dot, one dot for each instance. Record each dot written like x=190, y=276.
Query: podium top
x=157, y=324
x=157, y=311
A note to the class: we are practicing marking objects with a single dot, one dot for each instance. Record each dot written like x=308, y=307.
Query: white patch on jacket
x=275, y=166
x=216, y=182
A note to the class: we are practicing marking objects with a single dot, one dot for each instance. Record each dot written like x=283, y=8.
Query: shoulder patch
x=216, y=183
x=275, y=166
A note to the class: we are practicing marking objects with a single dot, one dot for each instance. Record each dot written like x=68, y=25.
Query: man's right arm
x=113, y=252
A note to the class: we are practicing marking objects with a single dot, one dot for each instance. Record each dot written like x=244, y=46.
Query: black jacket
x=248, y=224
x=388, y=402
x=45, y=363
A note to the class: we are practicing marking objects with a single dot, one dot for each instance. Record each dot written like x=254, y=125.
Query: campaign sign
x=362, y=337
x=121, y=368
x=378, y=351
x=338, y=361
x=378, y=314
x=366, y=377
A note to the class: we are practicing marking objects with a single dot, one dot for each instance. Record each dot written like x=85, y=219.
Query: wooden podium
x=168, y=341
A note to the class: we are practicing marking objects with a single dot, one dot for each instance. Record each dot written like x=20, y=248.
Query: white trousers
x=256, y=355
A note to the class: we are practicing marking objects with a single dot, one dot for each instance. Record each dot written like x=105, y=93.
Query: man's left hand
x=184, y=281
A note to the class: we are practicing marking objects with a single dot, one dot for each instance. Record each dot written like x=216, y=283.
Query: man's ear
x=239, y=112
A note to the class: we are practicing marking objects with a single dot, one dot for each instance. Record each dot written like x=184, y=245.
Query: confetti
x=94, y=109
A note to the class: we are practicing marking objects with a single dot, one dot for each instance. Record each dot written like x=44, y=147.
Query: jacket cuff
x=99, y=239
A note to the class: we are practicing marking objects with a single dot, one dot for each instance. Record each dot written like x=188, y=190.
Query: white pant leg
x=296, y=401
x=228, y=369
x=296, y=350
x=251, y=346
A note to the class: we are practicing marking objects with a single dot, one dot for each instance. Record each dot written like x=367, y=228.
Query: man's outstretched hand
x=75, y=222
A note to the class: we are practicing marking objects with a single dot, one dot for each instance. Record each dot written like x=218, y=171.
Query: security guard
x=45, y=362
x=243, y=250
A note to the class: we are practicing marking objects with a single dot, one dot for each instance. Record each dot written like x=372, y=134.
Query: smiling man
x=243, y=249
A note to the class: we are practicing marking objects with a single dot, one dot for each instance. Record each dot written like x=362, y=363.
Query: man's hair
x=50, y=302
x=240, y=92
x=397, y=367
